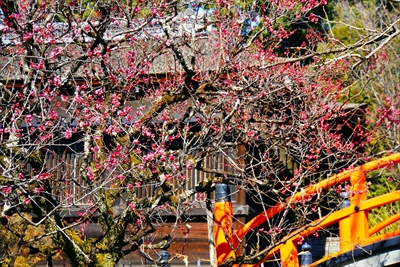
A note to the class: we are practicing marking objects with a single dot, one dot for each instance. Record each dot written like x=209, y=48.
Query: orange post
x=359, y=220
x=223, y=224
x=289, y=253
x=345, y=223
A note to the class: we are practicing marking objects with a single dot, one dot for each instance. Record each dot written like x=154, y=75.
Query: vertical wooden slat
x=241, y=196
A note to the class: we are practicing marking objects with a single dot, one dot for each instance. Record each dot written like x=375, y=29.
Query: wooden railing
x=72, y=190
x=354, y=230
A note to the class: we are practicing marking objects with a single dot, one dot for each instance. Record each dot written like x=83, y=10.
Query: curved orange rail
x=313, y=189
x=353, y=222
x=384, y=224
x=362, y=244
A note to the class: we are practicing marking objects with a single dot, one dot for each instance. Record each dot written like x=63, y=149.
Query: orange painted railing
x=353, y=220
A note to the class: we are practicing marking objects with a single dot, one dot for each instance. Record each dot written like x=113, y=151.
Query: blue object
x=346, y=202
x=222, y=193
x=163, y=258
x=306, y=256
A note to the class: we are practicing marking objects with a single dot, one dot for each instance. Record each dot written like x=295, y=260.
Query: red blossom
x=28, y=118
x=44, y=176
x=6, y=190
x=37, y=190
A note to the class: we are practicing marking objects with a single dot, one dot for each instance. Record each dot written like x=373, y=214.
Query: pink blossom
x=168, y=177
x=250, y=133
x=27, y=201
x=312, y=18
x=37, y=66
x=78, y=99
x=53, y=114
x=95, y=149
x=120, y=177
x=115, y=100
x=28, y=118
x=141, y=108
x=113, y=79
x=64, y=98
x=46, y=137
x=175, y=166
x=153, y=12
x=68, y=133
x=82, y=229
x=181, y=176
x=189, y=165
x=56, y=81
x=136, y=9
x=44, y=176
x=37, y=190
x=140, y=166
x=148, y=157
x=55, y=52
x=303, y=115
x=137, y=124
x=99, y=92
x=300, y=240
x=200, y=196
x=6, y=190
x=26, y=37
x=129, y=117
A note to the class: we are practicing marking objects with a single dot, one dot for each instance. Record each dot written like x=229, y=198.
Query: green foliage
x=301, y=28
x=383, y=182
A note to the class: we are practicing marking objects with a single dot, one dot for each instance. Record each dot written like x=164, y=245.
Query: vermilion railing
x=353, y=220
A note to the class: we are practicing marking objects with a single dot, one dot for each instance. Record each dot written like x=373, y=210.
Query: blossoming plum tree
x=102, y=100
